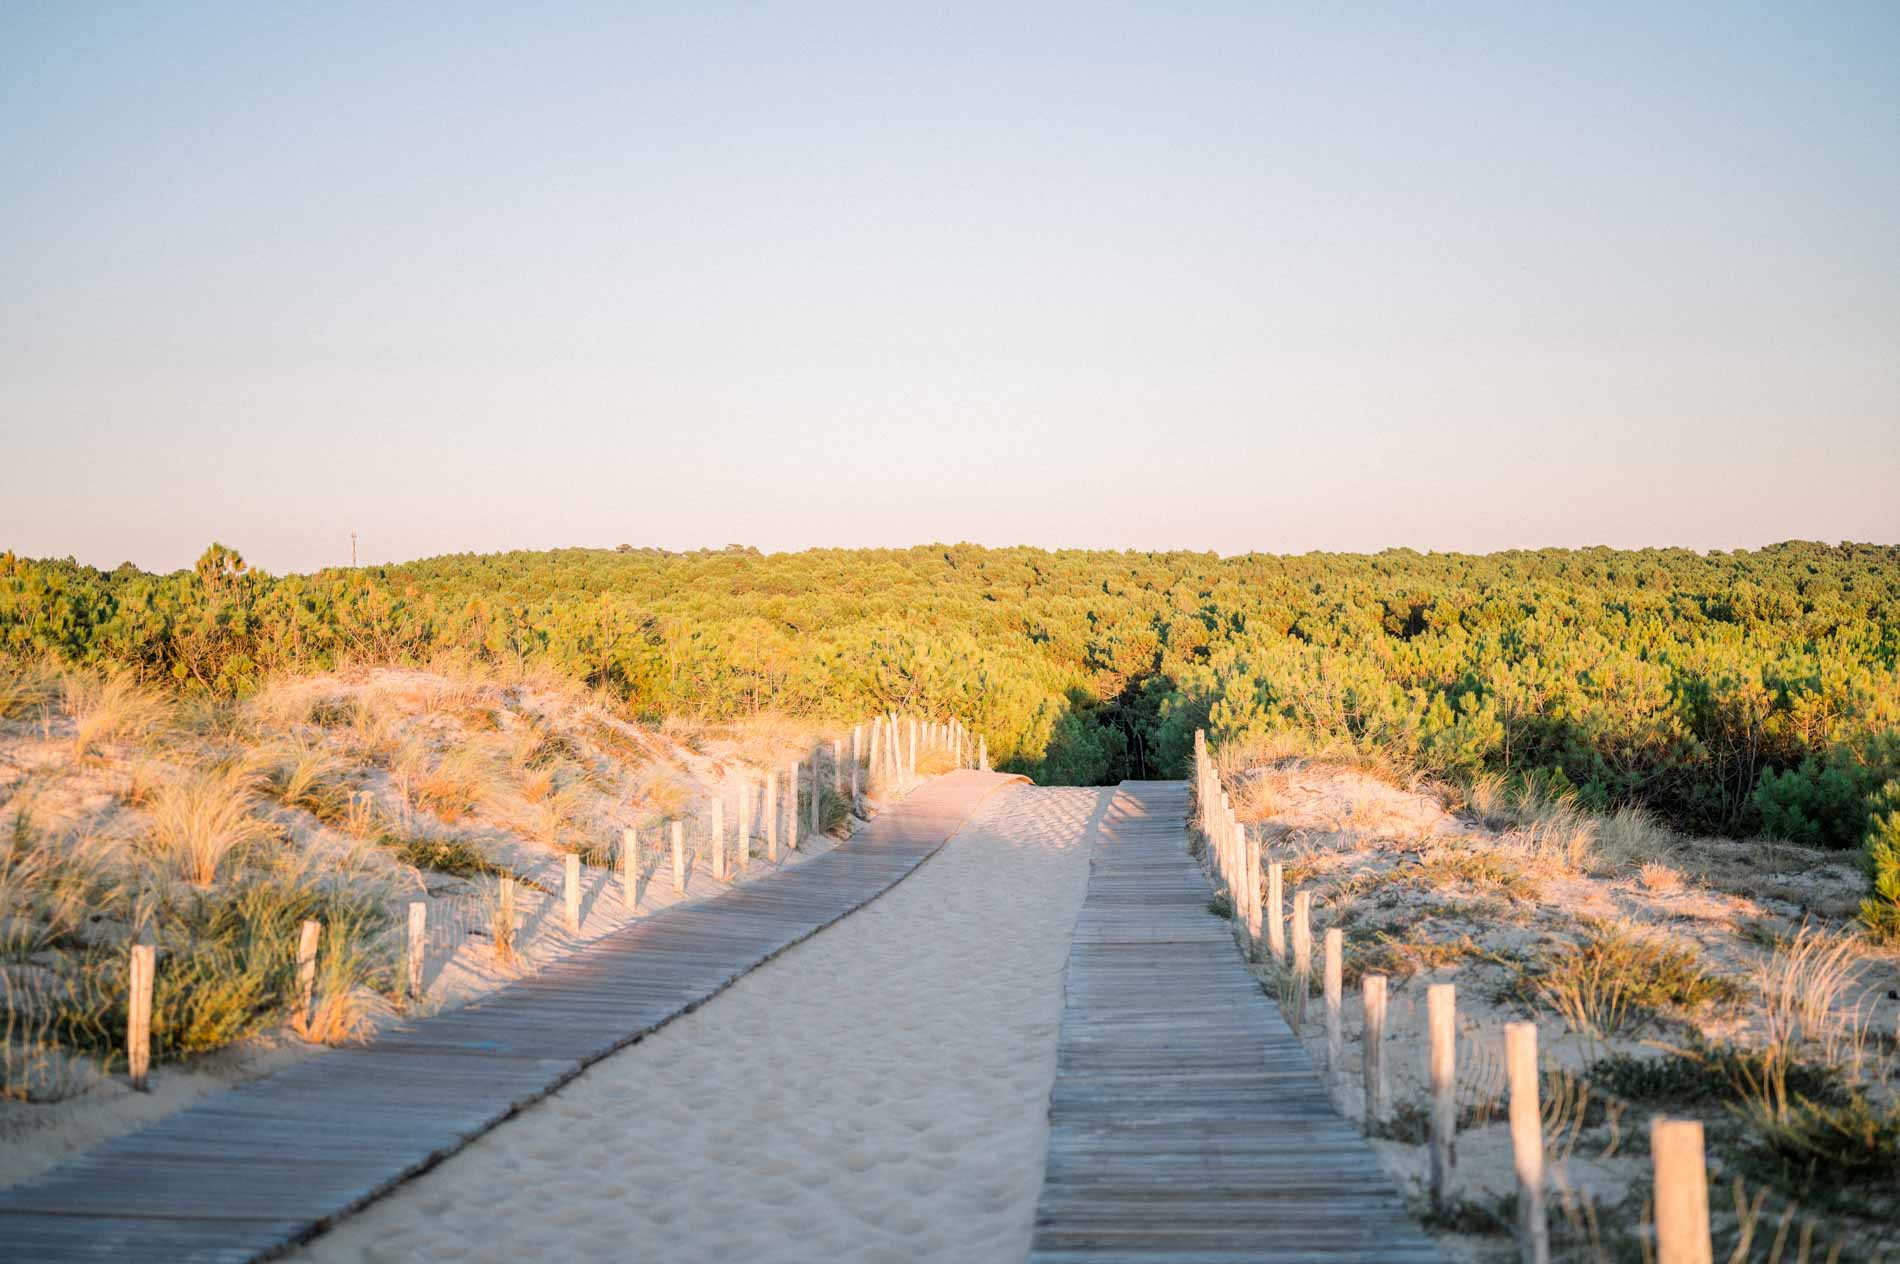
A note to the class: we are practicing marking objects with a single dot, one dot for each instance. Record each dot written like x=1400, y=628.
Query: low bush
x=1707, y=1076
x=1616, y=977
x=1828, y=800
x=1880, y=911
x=441, y=855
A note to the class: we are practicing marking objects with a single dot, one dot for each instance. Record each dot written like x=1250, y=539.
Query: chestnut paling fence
x=746, y=834
x=1545, y=1104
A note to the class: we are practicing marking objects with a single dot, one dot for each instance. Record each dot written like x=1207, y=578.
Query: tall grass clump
x=226, y=966
x=834, y=810
x=1616, y=977
x=352, y=966
x=108, y=708
x=202, y=820
x=310, y=778
x=27, y=686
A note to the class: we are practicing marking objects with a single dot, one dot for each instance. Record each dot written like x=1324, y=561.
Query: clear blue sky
x=1248, y=276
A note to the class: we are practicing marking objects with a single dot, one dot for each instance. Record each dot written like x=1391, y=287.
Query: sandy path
x=879, y=1093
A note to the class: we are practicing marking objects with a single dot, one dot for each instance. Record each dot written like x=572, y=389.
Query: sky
x=1236, y=277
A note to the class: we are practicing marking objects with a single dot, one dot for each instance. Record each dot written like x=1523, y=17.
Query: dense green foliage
x=1730, y=691
x=1881, y=909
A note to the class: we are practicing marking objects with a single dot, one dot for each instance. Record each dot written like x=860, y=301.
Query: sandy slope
x=879, y=1093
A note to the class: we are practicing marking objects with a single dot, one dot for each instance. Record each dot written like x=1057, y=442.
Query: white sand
x=879, y=1093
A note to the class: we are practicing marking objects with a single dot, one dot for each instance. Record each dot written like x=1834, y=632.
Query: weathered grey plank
x=1186, y=1121
x=251, y=1171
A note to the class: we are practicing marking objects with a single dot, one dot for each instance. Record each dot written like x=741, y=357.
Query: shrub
x=441, y=855
x=1828, y=800
x=1703, y=1075
x=1805, y=1146
x=1616, y=976
x=1880, y=911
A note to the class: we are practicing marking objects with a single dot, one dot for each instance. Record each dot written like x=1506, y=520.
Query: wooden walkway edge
x=252, y=1171
x=1187, y=1122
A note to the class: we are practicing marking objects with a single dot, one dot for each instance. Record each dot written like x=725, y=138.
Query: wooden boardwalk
x=1186, y=1121
x=256, y=1169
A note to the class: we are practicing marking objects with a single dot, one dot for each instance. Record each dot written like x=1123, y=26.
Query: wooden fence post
x=791, y=803
x=983, y=752
x=1303, y=932
x=1250, y=883
x=768, y=814
x=817, y=795
x=1682, y=1191
x=629, y=867
x=856, y=759
x=679, y=858
x=873, y=769
x=1527, y=1141
x=1334, y=985
x=138, y=1014
x=719, y=838
x=571, y=892
x=1302, y=953
x=307, y=939
x=745, y=824
x=505, y=920
x=1441, y=1066
x=1372, y=992
x=1276, y=927
x=418, y=945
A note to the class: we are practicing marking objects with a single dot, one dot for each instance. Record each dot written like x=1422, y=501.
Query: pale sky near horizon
x=1239, y=277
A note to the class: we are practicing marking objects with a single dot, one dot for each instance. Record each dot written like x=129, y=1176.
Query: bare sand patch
x=879, y=1093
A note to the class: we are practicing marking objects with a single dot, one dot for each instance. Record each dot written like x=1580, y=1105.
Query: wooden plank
x=251, y=1171
x=1186, y=1122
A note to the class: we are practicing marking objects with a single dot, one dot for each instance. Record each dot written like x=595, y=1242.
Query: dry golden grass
x=450, y=786
x=203, y=821
x=1488, y=869
x=935, y=762
x=27, y=687
x=302, y=776
x=1658, y=878
x=345, y=989
x=1805, y=990
x=113, y=707
x=1618, y=974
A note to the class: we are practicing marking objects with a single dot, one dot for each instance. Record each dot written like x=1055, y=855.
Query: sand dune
x=877, y=1094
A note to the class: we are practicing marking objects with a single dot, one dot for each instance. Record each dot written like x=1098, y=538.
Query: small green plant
x=834, y=810
x=1402, y=958
x=441, y=855
x=1703, y=1075
x=1221, y=906
x=1616, y=977
x=1484, y=869
x=1805, y=1146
